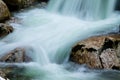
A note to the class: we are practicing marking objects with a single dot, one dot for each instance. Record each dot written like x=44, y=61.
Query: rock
x=43, y=0
x=18, y=4
x=109, y=59
x=4, y=12
x=9, y=67
x=3, y=75
x=101, y=52
x=5, y=29
x=117, y=7
x=17, y=55
x=12, y=71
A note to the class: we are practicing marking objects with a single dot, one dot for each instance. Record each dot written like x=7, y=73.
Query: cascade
x=51, y=36
x=84, y=9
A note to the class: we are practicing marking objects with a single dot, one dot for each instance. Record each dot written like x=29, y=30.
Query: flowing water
x=48, y=38
x=85, y=9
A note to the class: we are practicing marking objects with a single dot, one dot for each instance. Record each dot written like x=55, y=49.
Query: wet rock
x=109, y=59
x=11, y=64
x=17, y=55
x=84, y=57
x=5, y=29
x=117, y=7
x=18, y=4
x=4, y=12
x=12, y=72
x=101, y=52
x=43, y=0
x=3, y=75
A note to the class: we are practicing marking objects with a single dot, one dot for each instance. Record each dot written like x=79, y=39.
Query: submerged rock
x=18, y=4
x=5, y=29
x=101, y=52
x=4, y=12
x=17, y=55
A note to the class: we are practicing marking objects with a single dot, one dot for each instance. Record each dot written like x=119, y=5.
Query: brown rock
x=17, y=55
x=84, y=56
x=4, y=12
x=109, y=59
x=5, y=29
x=98, y=52
x=18, y=4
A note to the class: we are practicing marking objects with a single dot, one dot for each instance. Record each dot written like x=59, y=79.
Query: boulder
x=18, y=4
x=99, y=52
x=17, y=55
x=4, y=12
x=5, y=29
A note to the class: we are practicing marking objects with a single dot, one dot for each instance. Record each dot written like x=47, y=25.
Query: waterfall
x=84, y=9
x=50, y=34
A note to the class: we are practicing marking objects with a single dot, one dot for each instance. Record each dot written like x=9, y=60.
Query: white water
x=48, y=39
x=84, y=9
